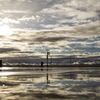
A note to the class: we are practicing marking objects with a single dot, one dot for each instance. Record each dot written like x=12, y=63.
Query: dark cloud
x=21, y=40
x=82, y=9
x=92, y=29
x=50, y=39
x=7, y=50
x=1, y=37
x=93, y=19
x=44, y=36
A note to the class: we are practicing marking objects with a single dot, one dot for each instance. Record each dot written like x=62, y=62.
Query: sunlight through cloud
x=5, y=30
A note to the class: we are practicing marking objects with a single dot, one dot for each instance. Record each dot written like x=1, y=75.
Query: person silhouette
x=41, y=65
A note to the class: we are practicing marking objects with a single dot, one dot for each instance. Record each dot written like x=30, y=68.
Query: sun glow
x=5, y=30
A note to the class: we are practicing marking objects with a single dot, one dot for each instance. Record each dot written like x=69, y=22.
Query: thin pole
x=47, y=79
x=47, y=58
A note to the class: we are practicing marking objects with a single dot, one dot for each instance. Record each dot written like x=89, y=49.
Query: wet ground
x=63, y=83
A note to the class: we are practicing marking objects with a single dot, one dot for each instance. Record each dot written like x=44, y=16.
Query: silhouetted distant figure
x=41, y=65
x=0, y=63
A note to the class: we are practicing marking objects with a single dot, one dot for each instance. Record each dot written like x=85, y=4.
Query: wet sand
x=64, y=84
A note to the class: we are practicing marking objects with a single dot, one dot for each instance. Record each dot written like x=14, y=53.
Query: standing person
x=0, y=63
x=41, y=65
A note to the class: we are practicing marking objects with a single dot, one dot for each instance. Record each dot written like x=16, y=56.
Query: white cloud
x=16, y=11
x=26, y=18
x=8, y=20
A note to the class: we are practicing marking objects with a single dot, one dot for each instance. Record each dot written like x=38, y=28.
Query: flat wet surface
x=64, y=83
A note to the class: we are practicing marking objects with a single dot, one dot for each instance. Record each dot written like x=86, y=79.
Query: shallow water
x=56, y=83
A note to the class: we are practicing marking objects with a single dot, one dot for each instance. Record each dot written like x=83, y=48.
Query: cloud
x=24, y=18
x=62, y=26
x=81, y=40
x=50, y=39
x=74, y=13
x=8, y=20
x=1, y=37
x=58, y=42
x=90, y=29
x=49, y=14
x=7, y=50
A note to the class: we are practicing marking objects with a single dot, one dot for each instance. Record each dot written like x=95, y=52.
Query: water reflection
x=6, y=73
x=68, y=82
x=53, y=70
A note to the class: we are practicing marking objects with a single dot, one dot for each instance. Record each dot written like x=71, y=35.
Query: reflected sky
x=9, y=71
x=63, y=83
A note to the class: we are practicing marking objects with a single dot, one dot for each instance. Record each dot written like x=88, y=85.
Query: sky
x=28, y=28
